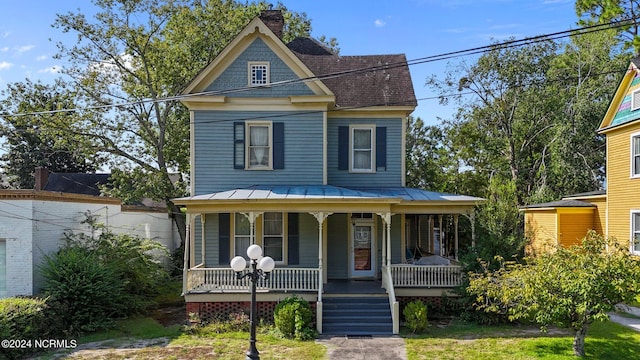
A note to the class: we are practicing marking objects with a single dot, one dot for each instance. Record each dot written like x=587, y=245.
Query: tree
x=34, y=132
x=140, y=53
x=593, y=12
x=570, y=288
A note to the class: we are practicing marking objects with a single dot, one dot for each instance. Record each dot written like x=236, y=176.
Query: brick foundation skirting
x=208, y=311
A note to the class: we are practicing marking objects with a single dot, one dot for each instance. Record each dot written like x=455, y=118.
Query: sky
x=417, y=28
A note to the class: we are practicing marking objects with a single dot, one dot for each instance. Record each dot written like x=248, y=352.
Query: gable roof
x=619, y=112
x=355, y=81
x=359, y=81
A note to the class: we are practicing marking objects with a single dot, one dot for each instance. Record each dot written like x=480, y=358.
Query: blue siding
x=392, y=176
x=213, y=137
x=236, y=75
x=197, y=243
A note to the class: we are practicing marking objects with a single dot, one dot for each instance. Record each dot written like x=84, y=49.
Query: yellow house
x=614, y=212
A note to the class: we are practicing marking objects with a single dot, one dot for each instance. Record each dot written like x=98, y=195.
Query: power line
x=418, y=61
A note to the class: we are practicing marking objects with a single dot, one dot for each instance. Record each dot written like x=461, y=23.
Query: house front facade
x=614, y=212
x=302, y=151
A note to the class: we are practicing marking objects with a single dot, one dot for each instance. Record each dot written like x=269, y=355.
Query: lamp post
x=260, y=269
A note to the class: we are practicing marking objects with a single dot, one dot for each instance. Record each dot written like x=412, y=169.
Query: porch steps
x=356, y=315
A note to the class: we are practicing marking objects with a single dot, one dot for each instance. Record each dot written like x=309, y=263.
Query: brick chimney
x=42, y=177
x=274, y=21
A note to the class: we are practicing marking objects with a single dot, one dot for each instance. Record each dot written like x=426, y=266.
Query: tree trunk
x=578, y=340
x=180, y=220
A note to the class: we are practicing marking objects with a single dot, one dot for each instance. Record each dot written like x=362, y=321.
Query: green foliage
x=293, y=317
x=569, y=288
x=22, y=319
x=94, y=279
x=592, y=12
x=415, y=316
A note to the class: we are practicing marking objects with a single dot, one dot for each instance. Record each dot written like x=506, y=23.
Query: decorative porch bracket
x=320, y=216
x=252, y=216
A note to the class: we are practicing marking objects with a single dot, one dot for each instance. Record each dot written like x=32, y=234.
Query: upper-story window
x=635, y=232
x=259, y=145
x=362, y=148
x=635, y=155
x=258, y=73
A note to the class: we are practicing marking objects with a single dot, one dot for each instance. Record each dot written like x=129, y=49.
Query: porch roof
x=329, y=193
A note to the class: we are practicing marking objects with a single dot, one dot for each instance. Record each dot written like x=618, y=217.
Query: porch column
x=320, y=217
x=252, y=216
x=440, y=233
x=455, y=225
x=203, y=221
x=187, y=242
x=386, y=218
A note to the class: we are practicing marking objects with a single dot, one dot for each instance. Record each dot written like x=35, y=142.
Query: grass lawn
x=468, y=341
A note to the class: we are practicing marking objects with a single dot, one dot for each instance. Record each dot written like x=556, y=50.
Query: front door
x=362, y=258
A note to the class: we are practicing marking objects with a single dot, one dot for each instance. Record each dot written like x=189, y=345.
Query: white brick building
x=33, y=223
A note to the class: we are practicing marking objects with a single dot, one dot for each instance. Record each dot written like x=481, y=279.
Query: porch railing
x=426, y=276
x=387, y=284
x=225, y=280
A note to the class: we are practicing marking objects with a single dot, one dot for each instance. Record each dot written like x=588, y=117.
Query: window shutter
x=293, y=233
x=224, y=238
x=381, y=147
x=238, y=145
x=278, y=145
x=343, y=148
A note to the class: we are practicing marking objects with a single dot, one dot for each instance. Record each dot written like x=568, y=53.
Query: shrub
x=21, y=319
x=415, y=316
x=84, y=293
x=293, y=317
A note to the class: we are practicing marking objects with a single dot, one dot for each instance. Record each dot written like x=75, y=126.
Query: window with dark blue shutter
x=224, y=240
x=343, y=148
x=293, y=233
x=238, y=145
x=381, y=147
x=278, y=145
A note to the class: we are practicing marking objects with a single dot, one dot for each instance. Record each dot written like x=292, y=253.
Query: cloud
x=379, y=23
x=5, y=65
x=4, y=49
x=50, y=70
x=42, y=57
x=25, y=48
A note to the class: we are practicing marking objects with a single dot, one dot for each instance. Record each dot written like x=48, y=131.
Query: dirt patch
x=170, y=315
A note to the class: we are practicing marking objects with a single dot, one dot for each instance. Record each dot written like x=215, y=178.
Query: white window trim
x=635, y=105
x=631, y=227
x=250, y=66
x=352, y=128
x=631, y=156
x=247, y=145
x=284, y=237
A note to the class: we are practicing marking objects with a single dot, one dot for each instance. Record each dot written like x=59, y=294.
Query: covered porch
x=330, y=235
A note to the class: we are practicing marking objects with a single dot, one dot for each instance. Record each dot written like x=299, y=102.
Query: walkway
x=632, y=322
x=364, y=348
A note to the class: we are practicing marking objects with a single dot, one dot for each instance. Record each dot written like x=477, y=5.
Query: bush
x=21, y=319
x=293, y=317
x=415, y=316
x=84, y=293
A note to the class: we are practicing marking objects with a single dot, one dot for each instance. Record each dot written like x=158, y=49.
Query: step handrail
x=387, y=284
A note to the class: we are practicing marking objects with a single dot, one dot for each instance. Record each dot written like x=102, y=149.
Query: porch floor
x=347, y=287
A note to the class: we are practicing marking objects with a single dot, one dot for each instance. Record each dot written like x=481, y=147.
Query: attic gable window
x=258, y=73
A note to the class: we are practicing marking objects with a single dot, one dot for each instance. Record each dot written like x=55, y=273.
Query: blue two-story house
x=302, y=151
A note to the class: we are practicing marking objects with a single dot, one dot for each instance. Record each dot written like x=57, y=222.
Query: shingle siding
x=233, y=81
